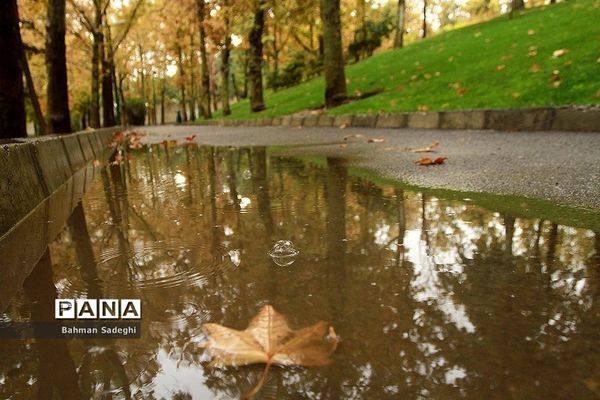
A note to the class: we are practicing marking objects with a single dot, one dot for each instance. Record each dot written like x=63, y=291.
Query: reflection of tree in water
x=432, y=298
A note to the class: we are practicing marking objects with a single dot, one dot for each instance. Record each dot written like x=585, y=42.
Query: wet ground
x=556, y=166
x=432, y=298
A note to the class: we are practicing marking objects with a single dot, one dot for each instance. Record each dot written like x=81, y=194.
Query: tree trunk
x=225, y=64
x=399, y=39
x=205, y=96
x=96, y=50
x=182, y=82
x=424, y=19
x=333, y=59
x=12, y=100
x=59, y=119
x=118, y=103
x=35, y=102
x=162, y=101
x=257, y=102
x=108, y=102
x=192, y=81
x=518, y=5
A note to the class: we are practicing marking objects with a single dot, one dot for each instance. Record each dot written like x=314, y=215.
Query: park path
x=558, y=166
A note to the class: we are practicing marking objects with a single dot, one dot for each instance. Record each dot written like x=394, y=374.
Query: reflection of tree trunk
x=336, y=212
x=85, y=252
x=261, y=187
x=212, y=175
x=424, y=228
x=509, y=233
x=56, y=369
x=400, y=206
x=552, y=242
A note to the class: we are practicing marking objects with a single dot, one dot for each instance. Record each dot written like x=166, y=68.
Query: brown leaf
x=344, y=125
x=532, y=51
x=268, y=339
x=535, y=68
x=376, y=140
x=440, y=160
x=429, y=149
x=426, y=161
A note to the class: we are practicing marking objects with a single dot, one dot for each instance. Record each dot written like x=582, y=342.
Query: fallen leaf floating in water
x=429, y=149
x=268, y=339
x=426, y=161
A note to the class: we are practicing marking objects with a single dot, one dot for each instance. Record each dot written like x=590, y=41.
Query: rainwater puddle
x=431, y=298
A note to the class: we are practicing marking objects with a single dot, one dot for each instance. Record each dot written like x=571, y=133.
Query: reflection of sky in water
x=175, y=377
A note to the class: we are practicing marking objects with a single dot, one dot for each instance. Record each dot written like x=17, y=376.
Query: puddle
x=432, y=298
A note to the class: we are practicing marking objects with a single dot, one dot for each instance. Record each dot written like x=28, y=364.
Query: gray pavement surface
x=563, y=167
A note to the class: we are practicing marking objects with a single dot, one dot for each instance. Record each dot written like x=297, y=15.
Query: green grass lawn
x=498, y=64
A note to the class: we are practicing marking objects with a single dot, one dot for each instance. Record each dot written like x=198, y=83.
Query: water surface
x=432, y=298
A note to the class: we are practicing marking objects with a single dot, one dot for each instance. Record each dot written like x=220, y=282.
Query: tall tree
x=106, y=57
x=257, y=102
x=400, y=21
x=225, y=55
x=333, y=59
x=517, y=5
x=59, y=119
x=205, y=96
x=12, y=105
x=424, y=19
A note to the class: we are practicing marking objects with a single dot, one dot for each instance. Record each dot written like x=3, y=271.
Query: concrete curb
x=576, y=119
x=41, y=182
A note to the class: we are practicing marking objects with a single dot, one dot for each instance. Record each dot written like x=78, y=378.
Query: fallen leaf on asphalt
x=559, y=53
x=376, y=140
x=344, y=125
x=190, y=139
x=343, y=146
x=429, y=149
x=268, y=340
x=355, y=136
x=426, y=161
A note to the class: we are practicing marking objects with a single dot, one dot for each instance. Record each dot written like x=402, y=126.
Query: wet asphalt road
x=559, y=166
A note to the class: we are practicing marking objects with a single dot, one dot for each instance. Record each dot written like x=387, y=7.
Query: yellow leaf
x=534, y=68
x=559, y=53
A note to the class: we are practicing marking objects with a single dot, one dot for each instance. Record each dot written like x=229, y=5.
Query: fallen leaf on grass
x=559, y=53
x=269, y=340
x=426, y=161
x=535, y=68
x=429, y=149
x=422, y=108
x=555, y=79
x=376, y=140
x=500, y=67
x=532, y=51
x=531, y=32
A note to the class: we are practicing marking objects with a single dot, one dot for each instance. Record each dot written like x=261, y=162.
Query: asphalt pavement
x=563, y=167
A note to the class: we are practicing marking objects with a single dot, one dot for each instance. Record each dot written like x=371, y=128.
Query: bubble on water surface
x=284, y=253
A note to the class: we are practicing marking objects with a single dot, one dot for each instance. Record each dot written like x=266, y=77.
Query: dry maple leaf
x=268, y=339
x=429, y=149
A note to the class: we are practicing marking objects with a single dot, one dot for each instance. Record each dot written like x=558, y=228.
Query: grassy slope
x=423, y=73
